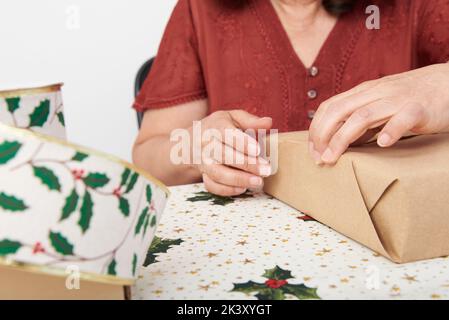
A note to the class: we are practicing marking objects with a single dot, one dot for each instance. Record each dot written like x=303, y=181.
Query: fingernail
x=315, y=154
x=328, y=156
x=253, y=150
x=256, y=181
x=239, y=190
x=384, y=140
x=263, y=161
x=265, y=171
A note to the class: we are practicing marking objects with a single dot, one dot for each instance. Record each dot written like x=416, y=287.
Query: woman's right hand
x=239, y=167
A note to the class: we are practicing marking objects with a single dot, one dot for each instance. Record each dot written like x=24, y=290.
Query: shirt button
x=312, y=94
x=313, y=71
x=311, y=114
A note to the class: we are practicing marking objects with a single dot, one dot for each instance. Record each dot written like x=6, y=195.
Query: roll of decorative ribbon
x=64, y=206
x=37, y=109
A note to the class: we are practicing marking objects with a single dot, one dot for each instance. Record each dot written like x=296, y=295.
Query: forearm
x=153, y=155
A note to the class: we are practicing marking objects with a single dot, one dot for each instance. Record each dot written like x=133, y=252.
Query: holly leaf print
x=86, y=212
x=47, y=177
x=125, y=176
x=216, y=200
x=112, y=268
x=11, y=203
x=8, y=150
x=134, y=265
x=96, y=180
x=60, y=243
x=153, y=221
x=79, y=156
x=145, y=227
x=61, y=119
x=149, y=193
x=276, y=287
x=124, y=206
x=301, y=291
x=71, y=202
x=141, y=221
x=159, y=246
x=8, y=247
x=132, y=182
x=40, y=114
x=277, y=274
x=13, y=104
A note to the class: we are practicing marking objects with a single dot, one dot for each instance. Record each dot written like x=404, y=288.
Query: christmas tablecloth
x=255, y=247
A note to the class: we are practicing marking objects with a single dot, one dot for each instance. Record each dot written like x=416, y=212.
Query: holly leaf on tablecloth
x=276, y=287
x=61, y=119
x=47, y=177
x=217, y=200
x=70, y=205
x=11, y=203
x=132, y=182
x=125, y=176
x=112, y=268
x=96, y=180
x=277, y=274
x=39, y=116
x=306, y=218
x=86, y=212
x=13, y=104
x=79, y=156
x=124, y=206
x=60, y=243
x=158, y=246
x=134, y=264
x=141, y=221
x=9, y=247
x=8, y=150
x=301, y=291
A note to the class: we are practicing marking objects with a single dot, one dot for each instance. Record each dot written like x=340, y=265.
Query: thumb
x=245, y=120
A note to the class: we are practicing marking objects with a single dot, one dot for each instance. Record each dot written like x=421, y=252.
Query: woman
x=293, y=65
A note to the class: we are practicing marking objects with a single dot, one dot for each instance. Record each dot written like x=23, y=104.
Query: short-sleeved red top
x=242, y=58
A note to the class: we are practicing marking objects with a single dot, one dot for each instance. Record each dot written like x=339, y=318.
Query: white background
x=41, y=42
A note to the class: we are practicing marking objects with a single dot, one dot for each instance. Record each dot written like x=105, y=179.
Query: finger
x=220, y=189
x=245, y=120
x=363, y=119
x=332, y=113
x=233, y=158
x=232, y=177
x=407, y=119
x=236, y=138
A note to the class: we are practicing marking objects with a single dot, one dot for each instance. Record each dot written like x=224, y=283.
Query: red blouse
x=243, y=58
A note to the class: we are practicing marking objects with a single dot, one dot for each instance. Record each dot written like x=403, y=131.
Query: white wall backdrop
x=95, y=47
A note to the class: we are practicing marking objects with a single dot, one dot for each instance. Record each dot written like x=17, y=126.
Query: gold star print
x=251, y=226
x=323, y=252
x=395, y=290
x=306, y=278
x=178, y=230
x=211, y=255
x=242, y=243
x=214, y=215
x=343, y=241
x=315, y=234
x=216, y=230
x=248, y=261
x=201, y=241
x=229, y=261
x=344, y=280
x=179, y=288
x=215, y=283
x=435, y=296
x=353, y=267
x=205, y=288
x=157, y=273
x=158, y=292
x=410, y=278
x=266, y=253
x=194, y=272
x=332, y=286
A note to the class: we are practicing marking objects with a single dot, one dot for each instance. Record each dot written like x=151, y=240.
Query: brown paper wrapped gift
x=394, y=201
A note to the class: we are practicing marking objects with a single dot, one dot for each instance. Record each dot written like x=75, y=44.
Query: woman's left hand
x=416, y=101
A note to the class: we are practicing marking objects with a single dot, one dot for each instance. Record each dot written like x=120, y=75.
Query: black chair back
x=140, y=79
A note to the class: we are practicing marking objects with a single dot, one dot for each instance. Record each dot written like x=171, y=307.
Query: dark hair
x=332, y=6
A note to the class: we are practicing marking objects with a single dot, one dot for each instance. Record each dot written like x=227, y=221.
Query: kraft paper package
x=394, y=200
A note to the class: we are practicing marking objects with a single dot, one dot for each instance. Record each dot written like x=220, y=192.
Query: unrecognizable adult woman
x=340, y=68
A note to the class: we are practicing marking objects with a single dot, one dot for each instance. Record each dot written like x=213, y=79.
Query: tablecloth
x=255, y=247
